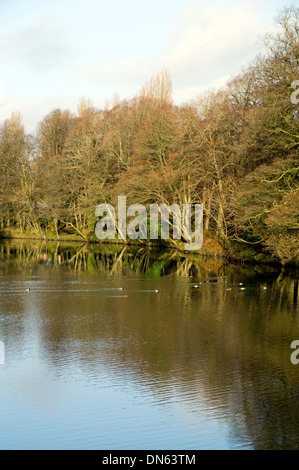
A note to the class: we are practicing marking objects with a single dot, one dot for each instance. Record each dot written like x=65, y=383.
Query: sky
x=54, y=53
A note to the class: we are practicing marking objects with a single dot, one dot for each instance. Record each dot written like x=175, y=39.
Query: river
x=126, y=348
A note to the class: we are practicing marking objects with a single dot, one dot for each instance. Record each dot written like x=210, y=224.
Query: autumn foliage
x=234, y=150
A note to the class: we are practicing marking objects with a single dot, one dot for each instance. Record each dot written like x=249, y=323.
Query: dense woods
x=234, y=150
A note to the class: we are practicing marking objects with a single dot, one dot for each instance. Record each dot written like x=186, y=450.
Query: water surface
x=95, y=358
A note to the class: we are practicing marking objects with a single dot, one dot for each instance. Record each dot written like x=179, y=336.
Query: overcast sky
x=54, y=53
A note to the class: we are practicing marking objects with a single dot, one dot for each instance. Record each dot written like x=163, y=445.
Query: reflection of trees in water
x=205, y=348
x=114, y=259
x=211, y=346
x=121, y=260
x=224, y=349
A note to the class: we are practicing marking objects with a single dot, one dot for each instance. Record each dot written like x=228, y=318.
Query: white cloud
x=2, y=94
x=212, y=40
x=209, y=41
x=112, y=72
x=48, y=64
x=41, y=44
x=33, y=108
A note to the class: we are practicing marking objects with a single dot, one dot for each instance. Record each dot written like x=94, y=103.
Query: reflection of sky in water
x=41, y=411
x=181, y=369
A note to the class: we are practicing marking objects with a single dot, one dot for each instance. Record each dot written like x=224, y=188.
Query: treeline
x=234, y=150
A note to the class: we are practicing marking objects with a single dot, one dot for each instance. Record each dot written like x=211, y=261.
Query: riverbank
x=212, y=247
